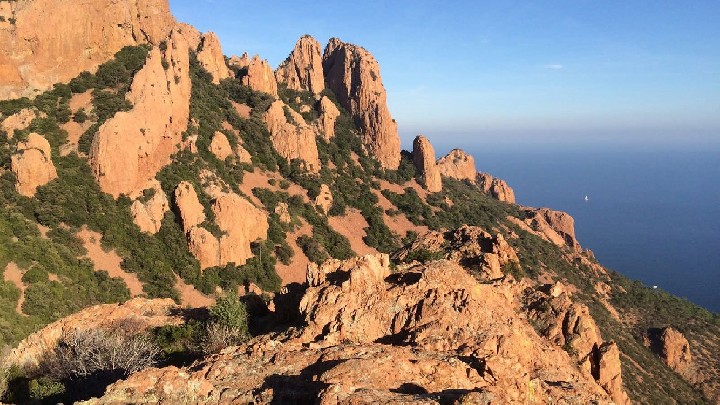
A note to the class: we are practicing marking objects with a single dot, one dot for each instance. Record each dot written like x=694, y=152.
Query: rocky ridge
x=303, y=69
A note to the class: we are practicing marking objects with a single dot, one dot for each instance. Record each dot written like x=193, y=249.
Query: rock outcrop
x=220, y=146
x=148, y=213
x=423, y=335
x=329, y=113
x=303, y=70
x=672, y=347
x=258, y=76
x=556, y=226
x=130, y=148
x=211, y=57
x=292, y=138
x=457, y=165
x=497, y=188
x=324, y=199
x=32, y=165
x=570, y=326
x=353, y=74
x=47, y=42
x=19, y=120
x=141, y=312
x=424, y=160
x=483, y=254
x=239, y=221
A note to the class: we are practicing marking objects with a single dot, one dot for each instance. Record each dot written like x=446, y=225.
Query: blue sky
x=518, y=71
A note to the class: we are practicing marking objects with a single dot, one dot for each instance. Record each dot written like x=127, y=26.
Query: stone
x=497, y=188
x=325, y=198
x=204, y=246
x=242, y=154
x=130, y=148
x=292, y=138
x=241, y=223
x=353, y=74
x=557, y=227
x=17, y=121
x=148, y=214
x=259, y=76
x=457, y=165
x=211, y=57
x=303, y=69
x=53, y=41
x=673, y=348
x=424, y=160
x=220, y=146
x=283, y=212
x=329, y=113
x=32, y=165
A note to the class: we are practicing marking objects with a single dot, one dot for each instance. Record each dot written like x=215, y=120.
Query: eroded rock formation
x=211, y=57
x=220, y=146
x=19, y=120
x=47, y=42
x=325, y=198
x=353, y=74
x=32, y=165
x=497, y=188
x=329, y=113
x=672, y=347
x=556, y=226
x=424, y=160
x=303, y=70
x=292, y=138
x=130, y=148
x=148, y=213
x=457, y=165
x=259, y=76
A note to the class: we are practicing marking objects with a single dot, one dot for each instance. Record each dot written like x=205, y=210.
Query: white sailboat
x=586, y=198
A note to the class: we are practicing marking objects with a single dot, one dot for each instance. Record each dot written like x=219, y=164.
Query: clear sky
x=530, y=71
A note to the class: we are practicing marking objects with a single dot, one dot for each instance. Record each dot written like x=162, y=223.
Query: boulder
x=53, y=41
x=303, y=70
x=324, y=199
x=149, y=213
x=19, y=121
x=329, y=113
x=32, y=165
x=192, y=213
x=457, y=165
x=424, y=160
x=353, y=74
x=211, y=57
x=292, y=138
x=241, y=223
x=220, y=146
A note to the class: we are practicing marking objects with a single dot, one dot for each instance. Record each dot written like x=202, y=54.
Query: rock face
x=52, y=41
x=148, y=214
x=458, y=165
x=32, y=165
x=239, y=221
x=259, y=76
x=422, y=335
x=303, y=70
x=353, y=74
x=130, y=148
x=292, y=138
x=424, y=160
x=672, y=347
x=211, y=57
x=497, y=188
x=569, y=325
x=329, y=113
x=143, y=313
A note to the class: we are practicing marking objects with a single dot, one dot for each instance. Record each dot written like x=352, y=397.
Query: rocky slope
x=205, y=179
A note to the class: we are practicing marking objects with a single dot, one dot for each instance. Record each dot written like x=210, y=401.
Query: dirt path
x=108, y=261
x=14, y=275
x=296, y=270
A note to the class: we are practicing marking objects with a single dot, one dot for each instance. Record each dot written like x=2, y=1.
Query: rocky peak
x=211, y=57
x=672, y=347
x=457, y=165
x=497, y=188
x=52, y=41
x=292, y=138
x=424, y=160
x=259, y=75
x=130, y=148
x=353, y=74
x=329, y=113
x=32, y=165
x=303, y=70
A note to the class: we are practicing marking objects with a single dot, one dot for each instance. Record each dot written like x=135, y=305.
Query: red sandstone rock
x=303, y=70
x=457, y=165
x=424, y=160
x=32, y=165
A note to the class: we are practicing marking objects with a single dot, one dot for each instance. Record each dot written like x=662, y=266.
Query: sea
x=651, y=213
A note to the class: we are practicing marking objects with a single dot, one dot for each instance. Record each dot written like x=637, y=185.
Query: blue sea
x=652, y=214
